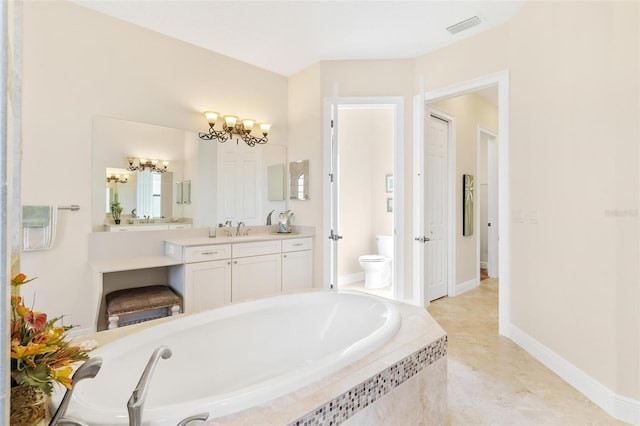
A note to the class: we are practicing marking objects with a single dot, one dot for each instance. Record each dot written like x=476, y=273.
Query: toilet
x=377, y=267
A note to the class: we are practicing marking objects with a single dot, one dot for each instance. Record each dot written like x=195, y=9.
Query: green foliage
x=116, y=209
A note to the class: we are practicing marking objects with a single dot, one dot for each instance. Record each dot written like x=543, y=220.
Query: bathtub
x=233, y=358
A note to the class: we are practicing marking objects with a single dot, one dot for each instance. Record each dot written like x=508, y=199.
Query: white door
x=435, y=198
x=334, y=235
x=492, y=234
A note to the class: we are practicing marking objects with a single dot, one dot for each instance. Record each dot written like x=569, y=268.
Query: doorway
x=362, y=195
x=421, y=103
x=487, y=203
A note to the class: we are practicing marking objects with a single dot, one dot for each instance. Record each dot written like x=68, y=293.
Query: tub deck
x=402, y=382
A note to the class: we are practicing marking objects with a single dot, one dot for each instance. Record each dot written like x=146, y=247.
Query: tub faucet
x=88, y=370
x=201, y=417
x=240, y=224
x=139, y=394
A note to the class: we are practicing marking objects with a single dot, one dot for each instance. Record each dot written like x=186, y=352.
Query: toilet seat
x=372, y=258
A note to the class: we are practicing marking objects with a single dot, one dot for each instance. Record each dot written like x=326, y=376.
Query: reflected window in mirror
x=301, y=187
x=299, y=180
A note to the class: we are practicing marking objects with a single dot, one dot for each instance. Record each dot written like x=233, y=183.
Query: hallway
x=493, y=381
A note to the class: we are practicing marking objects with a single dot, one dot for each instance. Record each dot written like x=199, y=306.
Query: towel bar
x=72, y=207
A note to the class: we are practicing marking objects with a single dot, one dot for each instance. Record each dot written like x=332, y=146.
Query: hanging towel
x=36, y=216
x=38, y=227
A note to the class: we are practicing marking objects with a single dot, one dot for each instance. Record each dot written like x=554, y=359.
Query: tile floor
x=492, y=381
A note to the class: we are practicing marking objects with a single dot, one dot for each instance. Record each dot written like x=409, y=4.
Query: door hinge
x=332, y=123
x=422, y=239
x=334, y=236
x=331, y=177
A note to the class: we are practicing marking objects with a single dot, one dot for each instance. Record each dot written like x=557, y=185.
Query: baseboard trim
x=618, y=406
x=351, y=278
x=466, y=286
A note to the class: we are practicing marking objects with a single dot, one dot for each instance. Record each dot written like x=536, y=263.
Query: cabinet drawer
x=205, y=253
x=256, y=248
x=180, y=226
x=297, y=244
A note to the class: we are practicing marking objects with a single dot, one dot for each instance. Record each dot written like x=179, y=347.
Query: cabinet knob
x=235, y=261
x=284, y=255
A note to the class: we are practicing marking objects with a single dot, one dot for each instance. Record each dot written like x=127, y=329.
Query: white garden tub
x=232, y=358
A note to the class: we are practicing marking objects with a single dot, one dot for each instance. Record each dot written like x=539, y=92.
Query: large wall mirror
x=206, y=181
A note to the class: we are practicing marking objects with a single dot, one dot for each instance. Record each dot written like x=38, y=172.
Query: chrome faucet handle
x=202, y=417
x=139, y=394
x=240, y=224
x=88, y=370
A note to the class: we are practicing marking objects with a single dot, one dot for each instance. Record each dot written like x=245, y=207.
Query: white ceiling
x=287, y=36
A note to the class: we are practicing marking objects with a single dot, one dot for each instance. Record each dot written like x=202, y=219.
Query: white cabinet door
x=296, y=270
x=208, y=285
x=256, y=276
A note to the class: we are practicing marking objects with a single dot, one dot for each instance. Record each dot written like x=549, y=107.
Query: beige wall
x=574, y=156
x=306, y=143
x=469, y=112
x=574, y=109
x=79, y=64
x=365, y=146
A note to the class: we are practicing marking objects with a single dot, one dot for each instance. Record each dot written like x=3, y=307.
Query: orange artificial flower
x=37, y=320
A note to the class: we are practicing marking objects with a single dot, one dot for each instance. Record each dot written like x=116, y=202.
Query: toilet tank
x=385, y=245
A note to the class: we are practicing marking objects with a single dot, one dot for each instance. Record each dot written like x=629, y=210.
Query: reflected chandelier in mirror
x=150, y=165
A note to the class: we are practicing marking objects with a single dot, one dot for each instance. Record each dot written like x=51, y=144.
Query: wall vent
x=464, y=25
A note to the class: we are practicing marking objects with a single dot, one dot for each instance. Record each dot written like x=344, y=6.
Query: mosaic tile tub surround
x=345, y=406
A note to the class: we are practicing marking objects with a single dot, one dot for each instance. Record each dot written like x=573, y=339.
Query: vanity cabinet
x=214, y=275
x=255, y=276
x=297, y=264
x=204, y=281
x=256, y=269
x=207, y=285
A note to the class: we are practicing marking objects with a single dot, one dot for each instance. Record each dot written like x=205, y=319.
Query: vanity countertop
x=205, y=241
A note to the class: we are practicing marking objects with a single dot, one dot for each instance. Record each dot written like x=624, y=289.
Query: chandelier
x=150, y=165
x=232, y=126
x=118, y=178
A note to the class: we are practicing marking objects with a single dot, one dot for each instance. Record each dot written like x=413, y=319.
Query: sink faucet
x=269, y=217
x=139, y=394
x=240, y=224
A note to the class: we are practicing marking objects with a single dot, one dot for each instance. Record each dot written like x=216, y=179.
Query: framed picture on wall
x=467, y=205
x=389, y=205
x=389, y=182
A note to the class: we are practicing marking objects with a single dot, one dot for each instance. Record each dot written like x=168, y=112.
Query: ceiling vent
x=464, y=25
